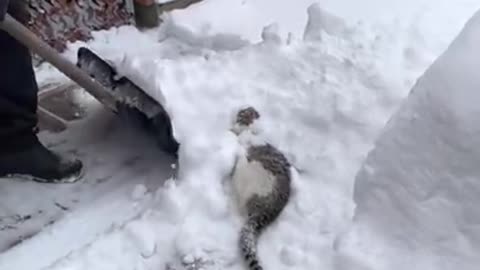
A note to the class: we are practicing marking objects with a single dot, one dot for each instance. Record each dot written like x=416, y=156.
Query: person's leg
x=21, y=153
x=18, y=94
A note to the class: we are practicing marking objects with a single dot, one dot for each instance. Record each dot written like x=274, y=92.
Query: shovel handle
x=35, y=44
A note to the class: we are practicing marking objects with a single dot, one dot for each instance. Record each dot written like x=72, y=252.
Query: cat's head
x=244, y=119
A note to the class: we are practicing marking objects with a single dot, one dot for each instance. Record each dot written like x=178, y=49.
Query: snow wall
x=418, y=193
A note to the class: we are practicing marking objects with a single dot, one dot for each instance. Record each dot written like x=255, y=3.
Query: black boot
x=33, y=161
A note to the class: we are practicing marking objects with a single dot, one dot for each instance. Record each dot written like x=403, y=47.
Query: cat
x=262, y=185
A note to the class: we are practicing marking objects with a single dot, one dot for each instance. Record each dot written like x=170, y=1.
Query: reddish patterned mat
x=60, y=21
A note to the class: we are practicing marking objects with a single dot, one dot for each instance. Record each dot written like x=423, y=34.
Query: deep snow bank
x=418, y=193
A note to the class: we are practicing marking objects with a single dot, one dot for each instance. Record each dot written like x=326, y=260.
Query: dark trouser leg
x=21, y=153
x=18, y=94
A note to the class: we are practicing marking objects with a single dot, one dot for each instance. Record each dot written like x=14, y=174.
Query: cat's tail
x=248, y=243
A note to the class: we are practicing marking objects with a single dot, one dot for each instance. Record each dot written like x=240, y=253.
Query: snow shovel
x=99, y=79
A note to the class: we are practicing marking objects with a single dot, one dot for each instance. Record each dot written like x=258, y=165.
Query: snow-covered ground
x=324, y=93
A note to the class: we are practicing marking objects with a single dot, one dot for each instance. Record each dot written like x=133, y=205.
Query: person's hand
x=3, y=9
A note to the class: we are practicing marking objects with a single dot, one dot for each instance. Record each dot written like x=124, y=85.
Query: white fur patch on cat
x=250, y=178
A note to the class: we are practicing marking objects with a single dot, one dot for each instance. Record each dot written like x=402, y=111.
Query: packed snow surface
x=324, y=93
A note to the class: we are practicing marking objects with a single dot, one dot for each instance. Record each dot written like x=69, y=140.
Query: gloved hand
x=3, y=9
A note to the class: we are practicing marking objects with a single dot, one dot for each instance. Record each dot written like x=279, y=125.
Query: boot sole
x=66, y=180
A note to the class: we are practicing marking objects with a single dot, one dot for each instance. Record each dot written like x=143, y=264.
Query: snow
x=163, y=1
x=431, y=24
x=417, y=193
x=108, y=149
x=325, y=78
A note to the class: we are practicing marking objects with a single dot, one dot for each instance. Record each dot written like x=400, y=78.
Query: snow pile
x=418, y=193
x=243, y=17
x=431, y=23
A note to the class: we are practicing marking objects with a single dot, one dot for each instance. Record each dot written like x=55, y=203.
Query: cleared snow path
x=66, y=217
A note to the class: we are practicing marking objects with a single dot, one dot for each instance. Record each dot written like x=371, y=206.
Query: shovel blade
x=132, y=102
